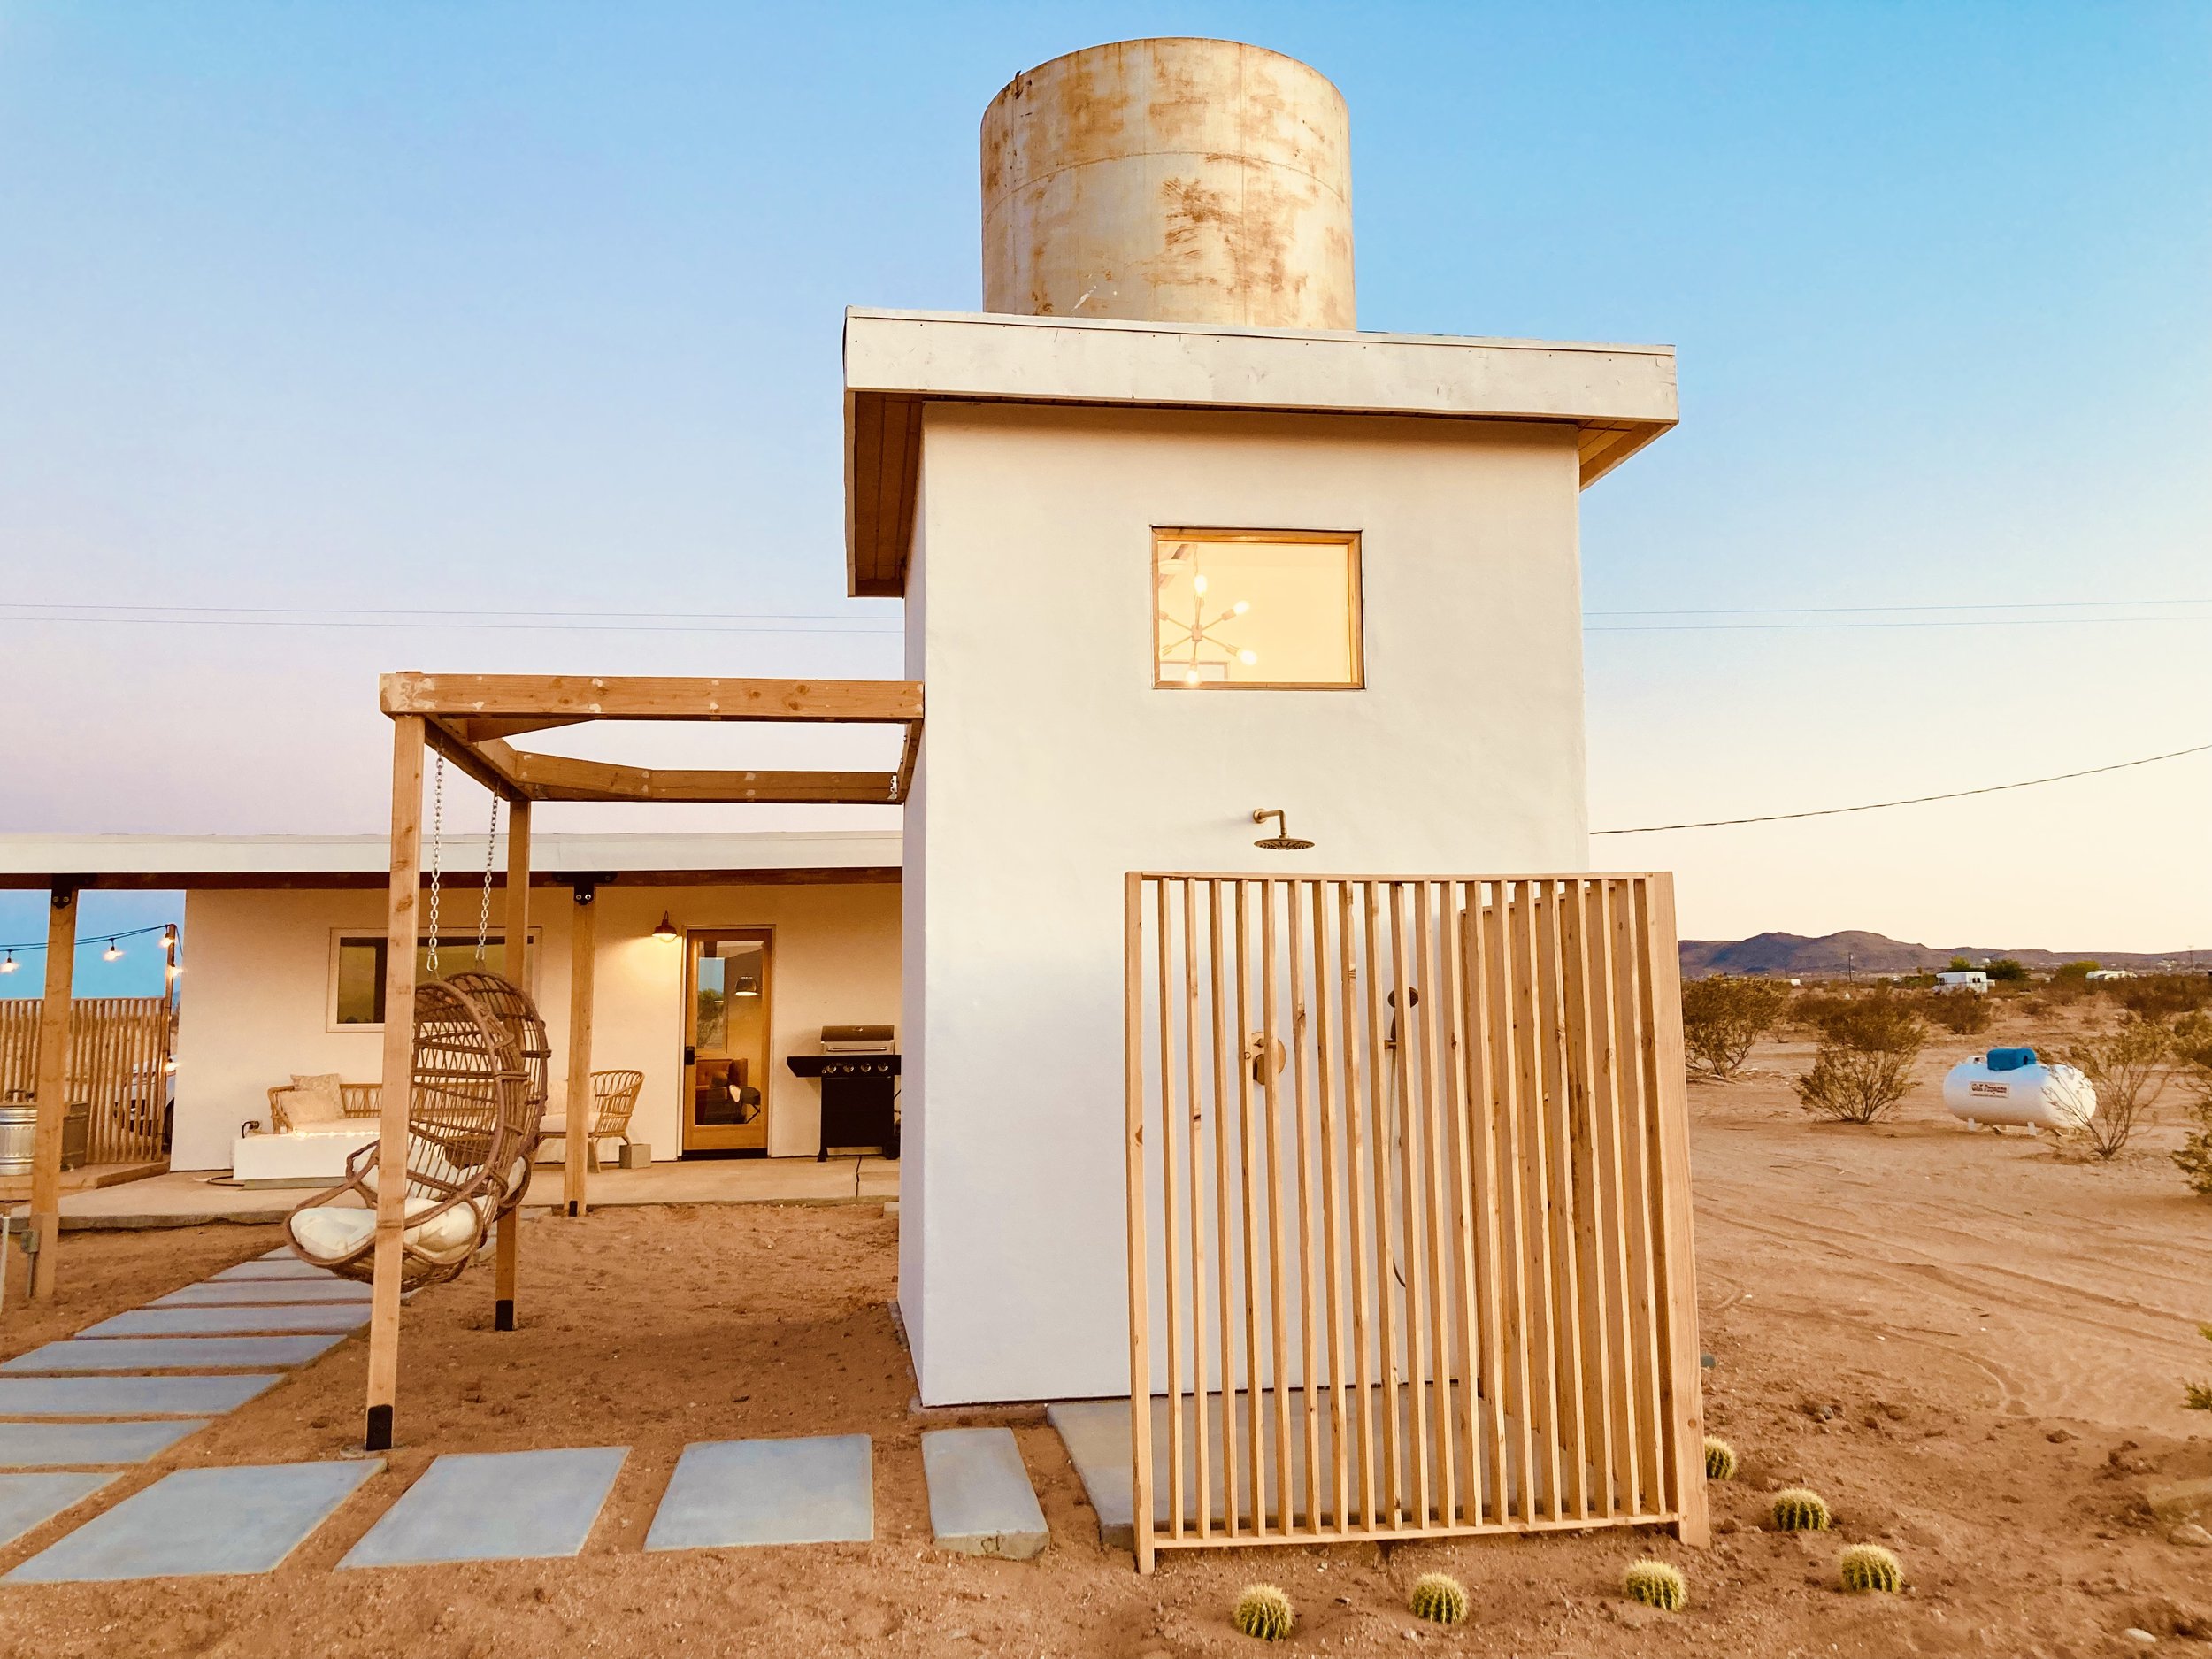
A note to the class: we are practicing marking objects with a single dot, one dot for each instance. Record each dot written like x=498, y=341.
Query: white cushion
x=313, y=1100
x=327, y=1232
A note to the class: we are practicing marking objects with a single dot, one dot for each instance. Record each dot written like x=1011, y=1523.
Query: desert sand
x=1972, y=1345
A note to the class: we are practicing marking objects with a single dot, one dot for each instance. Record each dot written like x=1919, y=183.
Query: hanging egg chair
x=472, y=1124
x=509, y=1005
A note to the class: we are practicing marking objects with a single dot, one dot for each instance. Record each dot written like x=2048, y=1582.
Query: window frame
x=1354, y=599
x=533, y=938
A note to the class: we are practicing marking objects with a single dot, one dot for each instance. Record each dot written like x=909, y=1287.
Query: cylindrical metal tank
x=1170, y=181
x=2014, y=1085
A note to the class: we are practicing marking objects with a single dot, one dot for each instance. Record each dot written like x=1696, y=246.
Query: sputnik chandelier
x=1198, y=636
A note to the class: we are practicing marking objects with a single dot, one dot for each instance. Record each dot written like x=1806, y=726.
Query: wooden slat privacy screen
x=119, y=1055
x=1409, y=1208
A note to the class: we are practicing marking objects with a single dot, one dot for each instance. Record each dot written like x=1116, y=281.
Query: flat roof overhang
x=1618, y=397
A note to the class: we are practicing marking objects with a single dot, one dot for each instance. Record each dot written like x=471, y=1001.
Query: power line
x=1917, y=800
x=1792, y=611
x=1955, y=622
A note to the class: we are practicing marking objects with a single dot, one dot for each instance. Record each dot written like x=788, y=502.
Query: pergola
x=470, y=720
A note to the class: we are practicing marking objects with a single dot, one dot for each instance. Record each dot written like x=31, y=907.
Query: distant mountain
x=1793, y=956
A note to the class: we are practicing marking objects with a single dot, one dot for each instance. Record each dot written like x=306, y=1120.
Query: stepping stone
x=173, y=1353
x=29, y=1500
x=74, y=1444
x=289, y=1267
x=494, y=1506
x=259, y=1293
x=230, y=1321
x=724, y=1493
x=980, y=1501
x=201, y=1521
x=128, y=1396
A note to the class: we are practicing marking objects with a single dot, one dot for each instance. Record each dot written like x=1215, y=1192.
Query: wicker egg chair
x=470, y=1123
x=510, y=1006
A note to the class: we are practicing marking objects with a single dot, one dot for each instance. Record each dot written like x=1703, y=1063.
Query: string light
x=113, y=953
x=8, y=966
x=30, y=946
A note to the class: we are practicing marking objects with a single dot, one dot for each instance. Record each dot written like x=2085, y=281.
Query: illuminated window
x=1255, y=609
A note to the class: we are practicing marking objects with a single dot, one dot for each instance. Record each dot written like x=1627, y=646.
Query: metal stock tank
x=2014, y=1087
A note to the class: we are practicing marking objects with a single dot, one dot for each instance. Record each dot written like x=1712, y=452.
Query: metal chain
x=484, y=909
x=437, y=855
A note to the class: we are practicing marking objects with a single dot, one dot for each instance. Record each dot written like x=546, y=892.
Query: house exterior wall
x=254, y=997
x=1051, y=767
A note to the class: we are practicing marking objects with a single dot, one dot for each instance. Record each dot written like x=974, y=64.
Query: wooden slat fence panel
x=1409, y=1208
x=118, y=1065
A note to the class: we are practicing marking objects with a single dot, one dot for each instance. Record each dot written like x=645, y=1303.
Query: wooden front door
x=726, y=1047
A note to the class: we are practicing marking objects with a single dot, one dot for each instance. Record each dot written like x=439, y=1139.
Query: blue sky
x=471, y=307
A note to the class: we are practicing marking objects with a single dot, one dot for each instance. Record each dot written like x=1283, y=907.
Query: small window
x=1255, y=609
x=356, y=992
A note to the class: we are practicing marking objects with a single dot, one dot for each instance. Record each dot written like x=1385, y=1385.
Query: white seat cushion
x=328, y=1232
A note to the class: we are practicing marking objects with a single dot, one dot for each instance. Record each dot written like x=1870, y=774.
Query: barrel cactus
x=1720, y=1460
x=1263, y=1612
x=1656, y=1584
x=1870, y=1567
x=1440, y=1598
x=1797, y=1509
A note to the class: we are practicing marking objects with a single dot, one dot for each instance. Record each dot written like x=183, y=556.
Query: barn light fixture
x=667, y=930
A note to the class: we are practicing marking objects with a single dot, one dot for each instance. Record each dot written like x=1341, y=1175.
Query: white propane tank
x=2012, y=1086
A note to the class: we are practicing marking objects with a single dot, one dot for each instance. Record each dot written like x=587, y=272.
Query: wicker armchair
x=613, y=1098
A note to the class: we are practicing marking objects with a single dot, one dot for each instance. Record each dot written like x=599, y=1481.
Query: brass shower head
x=1282, y=840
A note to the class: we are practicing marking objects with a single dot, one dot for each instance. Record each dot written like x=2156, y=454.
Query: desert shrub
x=2191, y=1036
x=1812, y=1008
x=2197, y=1395
x=2006, y=970
x=1961, y=1013
x=1864, y=1063
x=2162, y=996
x=1960, y=965
x=1723, y=1016
x=2128, y=1067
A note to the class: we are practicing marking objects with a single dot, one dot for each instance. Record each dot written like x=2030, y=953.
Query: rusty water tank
x=1170, y=181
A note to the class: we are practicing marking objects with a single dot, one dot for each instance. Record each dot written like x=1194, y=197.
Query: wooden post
x=581, y=956
x=398, y=1076
x=1133, y=1156
x=1695, y=1526
x=53, y=1087
x=517, y=970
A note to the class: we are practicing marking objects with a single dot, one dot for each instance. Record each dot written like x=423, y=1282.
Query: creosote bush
x=1721, y=1017
x=1656, y=1584
x=2191, y=1036
x=1720, y=1460
x=1961, y=1013
x=1863, y=1060
x=2197, y=1395
x=1440, y=1598
x=1263, y=1612
x=2162, y=996
x=1870, y=1567
x=2128, y=1067
x=1801, y=1509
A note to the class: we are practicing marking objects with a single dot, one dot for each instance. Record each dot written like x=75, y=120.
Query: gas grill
x=858, y=1068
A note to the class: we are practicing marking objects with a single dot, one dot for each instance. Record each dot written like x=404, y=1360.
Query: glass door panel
x=726, y=1047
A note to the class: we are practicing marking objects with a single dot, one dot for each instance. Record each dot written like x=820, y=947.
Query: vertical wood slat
x=1133, y=1166
x=1522, y=1318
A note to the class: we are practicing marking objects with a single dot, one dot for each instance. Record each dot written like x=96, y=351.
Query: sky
x=464, y=311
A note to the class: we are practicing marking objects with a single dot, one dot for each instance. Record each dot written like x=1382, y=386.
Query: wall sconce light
x=667, y=930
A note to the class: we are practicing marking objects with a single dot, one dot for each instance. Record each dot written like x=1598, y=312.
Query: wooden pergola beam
x=560, y=778
x=651, y=697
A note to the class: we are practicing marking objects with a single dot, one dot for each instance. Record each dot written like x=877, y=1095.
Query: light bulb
x=1198, y=584
x=112, y=953
x=9, y=965
x=1240, y=607
x=1190, y=676
x=1248, y=657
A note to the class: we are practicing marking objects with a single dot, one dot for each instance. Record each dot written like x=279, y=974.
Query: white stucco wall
x=255, y=994
x=1052, y=766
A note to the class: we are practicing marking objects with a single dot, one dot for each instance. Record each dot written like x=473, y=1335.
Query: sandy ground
x=1971, y=1344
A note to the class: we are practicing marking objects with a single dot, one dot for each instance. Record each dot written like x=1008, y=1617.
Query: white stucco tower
x=1176, y=543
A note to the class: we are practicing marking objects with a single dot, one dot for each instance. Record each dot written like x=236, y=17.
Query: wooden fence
x=118, y=1063
x=1409, y=1208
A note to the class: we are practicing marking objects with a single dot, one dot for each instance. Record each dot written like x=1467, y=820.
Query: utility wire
x=1917, y=800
